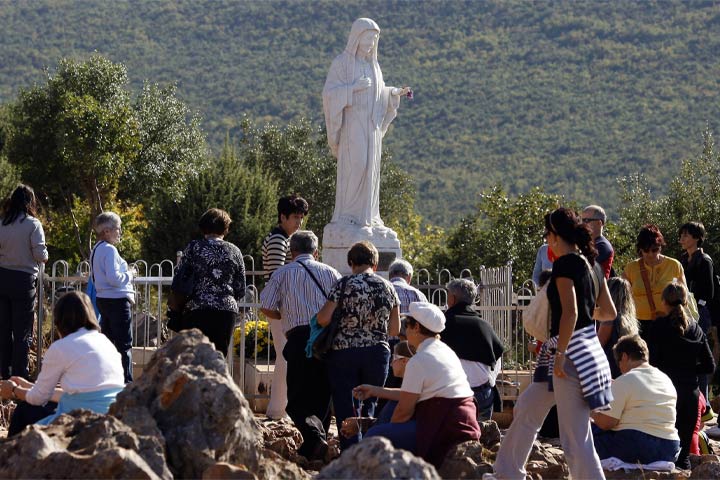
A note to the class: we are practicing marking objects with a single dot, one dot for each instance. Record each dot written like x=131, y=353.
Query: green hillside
x=566, y=95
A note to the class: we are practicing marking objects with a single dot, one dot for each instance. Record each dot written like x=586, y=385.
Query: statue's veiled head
x=364, y=36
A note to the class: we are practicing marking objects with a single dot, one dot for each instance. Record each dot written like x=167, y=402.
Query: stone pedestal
x=339, y=237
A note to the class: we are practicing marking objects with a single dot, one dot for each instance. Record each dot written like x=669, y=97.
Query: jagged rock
x=489, y=433
x=226, y=471
x=466, y=460
x=375, y=457
x=274, y=467
x=547, y=462
x=6, y=409
x=80, y=445
x=146, y=326
x=696, y=460
x=281, y=437
x=706, y=470
x=201, y=413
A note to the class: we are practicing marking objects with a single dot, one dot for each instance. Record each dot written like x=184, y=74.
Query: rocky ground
x=185, y=418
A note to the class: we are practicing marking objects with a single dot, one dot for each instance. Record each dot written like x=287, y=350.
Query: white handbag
x=536, y=317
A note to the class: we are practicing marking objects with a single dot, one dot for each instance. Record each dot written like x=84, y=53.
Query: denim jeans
x=485, y=397
x=633, y=446
x=402, y=435
x=348, y=368
x=117, y=326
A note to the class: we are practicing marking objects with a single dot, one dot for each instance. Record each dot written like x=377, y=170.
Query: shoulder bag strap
x=92, y=260
x=648, y=291
x=314, y=278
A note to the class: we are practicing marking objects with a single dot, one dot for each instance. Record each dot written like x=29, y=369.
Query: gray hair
x=107, y=220
x=400, y=268
x=463, y=289
x=598, y=212
x=304, y=241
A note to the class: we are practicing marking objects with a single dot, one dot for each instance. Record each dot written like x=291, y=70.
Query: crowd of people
x=627, y=360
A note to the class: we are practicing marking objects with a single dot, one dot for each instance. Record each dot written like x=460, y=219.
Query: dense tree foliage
x=567, y=95
x=79, y=135
x=503, y=230
x=246, y=192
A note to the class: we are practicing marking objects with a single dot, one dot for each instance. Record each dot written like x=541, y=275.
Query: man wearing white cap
x=435, y=408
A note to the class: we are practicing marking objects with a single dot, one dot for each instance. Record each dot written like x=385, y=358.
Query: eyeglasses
x=651, y=249
x=588, y=220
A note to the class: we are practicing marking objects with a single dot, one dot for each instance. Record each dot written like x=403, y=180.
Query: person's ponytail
x=584, y=241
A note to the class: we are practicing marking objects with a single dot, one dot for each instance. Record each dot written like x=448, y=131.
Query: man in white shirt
x=640, y=425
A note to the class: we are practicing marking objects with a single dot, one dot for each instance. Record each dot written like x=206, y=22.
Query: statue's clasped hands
x=402, y=92
x=362, y=83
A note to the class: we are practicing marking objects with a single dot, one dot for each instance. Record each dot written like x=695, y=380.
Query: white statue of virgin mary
x=358, y=109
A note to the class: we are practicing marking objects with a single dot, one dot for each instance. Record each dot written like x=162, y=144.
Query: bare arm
x=568, y=301
x=274, y=314
x=394, y=327
x=604, y=421
x=405, y=409
x=605, y=308
x=364, y=391
x=326, y=312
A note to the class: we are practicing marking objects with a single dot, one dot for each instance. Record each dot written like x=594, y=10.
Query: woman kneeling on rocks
x=83, y=361
x=435, y=409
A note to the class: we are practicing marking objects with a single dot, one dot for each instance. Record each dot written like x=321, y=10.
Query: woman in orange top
x=660, y=271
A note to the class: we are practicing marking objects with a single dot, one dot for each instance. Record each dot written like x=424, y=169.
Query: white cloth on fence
x=613, y=463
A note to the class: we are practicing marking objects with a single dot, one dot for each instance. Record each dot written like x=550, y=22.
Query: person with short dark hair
x=294, y=293
x=660, y=271
x=291, y=211
x=219, y=286
x=640, y=425
x=83, y=361
x=680, y=349
x=369, y=314
x=699, y=274
x=436, y=408
x=475, y=343
x=113, y=280
x=22, y=247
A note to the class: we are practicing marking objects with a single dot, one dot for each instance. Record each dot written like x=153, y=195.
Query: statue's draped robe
x=356, y=123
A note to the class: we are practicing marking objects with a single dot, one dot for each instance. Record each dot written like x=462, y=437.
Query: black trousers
x=687, y=413
x=26, y=414
x=17, y=303
x=217, y=325
x=308, y=391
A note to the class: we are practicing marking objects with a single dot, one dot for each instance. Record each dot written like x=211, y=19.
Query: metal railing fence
x=497, y=302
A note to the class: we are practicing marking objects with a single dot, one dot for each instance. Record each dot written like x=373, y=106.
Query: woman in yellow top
x=661, y=271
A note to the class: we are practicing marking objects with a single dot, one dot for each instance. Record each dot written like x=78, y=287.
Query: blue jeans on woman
x=348, y=368
x=634, y=446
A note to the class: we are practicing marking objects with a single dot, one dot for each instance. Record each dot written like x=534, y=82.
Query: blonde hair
x=621, y=294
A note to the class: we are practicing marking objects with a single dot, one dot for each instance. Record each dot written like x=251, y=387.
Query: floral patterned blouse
x=219, y=273
x=366, y=305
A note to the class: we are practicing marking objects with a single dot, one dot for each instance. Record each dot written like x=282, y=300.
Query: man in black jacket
x=475, y=343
